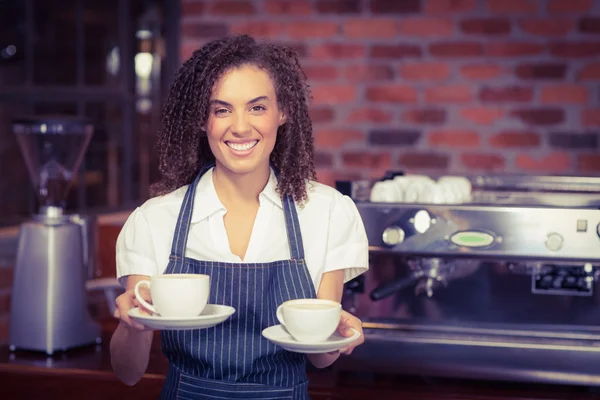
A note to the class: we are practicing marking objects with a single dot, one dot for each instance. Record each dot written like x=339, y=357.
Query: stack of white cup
x=422, y=189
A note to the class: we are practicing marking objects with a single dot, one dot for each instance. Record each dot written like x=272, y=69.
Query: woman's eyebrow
x=226, y=104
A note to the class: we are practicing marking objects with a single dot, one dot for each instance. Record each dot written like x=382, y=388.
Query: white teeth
x=242, y=146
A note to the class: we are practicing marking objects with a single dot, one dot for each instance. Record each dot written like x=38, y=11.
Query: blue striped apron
x=232, y=360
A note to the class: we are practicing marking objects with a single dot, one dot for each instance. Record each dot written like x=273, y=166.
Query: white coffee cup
x=176, y=295
x=310, y=320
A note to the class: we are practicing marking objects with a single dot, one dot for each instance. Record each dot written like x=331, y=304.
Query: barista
x=237, y=195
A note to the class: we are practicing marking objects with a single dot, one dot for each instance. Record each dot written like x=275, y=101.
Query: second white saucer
x=279, y=335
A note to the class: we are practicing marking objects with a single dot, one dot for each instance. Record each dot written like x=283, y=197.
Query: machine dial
x=392, y=235
x=554, y=241
x=598, y=229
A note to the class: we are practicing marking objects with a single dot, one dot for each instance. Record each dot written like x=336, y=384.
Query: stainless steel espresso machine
x=48, y=301
x=500, y=284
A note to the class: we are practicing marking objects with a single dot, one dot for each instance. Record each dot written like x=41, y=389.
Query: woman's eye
x=258, y=108
x=220, y=111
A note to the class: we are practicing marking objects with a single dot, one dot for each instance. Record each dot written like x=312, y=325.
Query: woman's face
x=243, y=120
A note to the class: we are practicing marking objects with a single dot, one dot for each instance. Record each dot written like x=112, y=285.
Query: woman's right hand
x=127, y=301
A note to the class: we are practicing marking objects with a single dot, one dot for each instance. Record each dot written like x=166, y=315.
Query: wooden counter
x=86, y=374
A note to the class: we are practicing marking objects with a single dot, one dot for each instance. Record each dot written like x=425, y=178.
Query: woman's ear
x=282, y=119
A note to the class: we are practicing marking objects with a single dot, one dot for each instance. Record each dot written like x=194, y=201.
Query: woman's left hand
x=348, y=321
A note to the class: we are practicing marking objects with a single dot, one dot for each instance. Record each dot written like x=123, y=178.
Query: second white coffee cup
x=176, y=295
x=310, y=320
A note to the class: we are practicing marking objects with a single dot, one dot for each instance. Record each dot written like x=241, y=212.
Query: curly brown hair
x=183, y=144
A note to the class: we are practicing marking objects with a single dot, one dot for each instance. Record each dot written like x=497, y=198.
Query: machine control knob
x=392, y=235
x=554, y=242
x=598, y=229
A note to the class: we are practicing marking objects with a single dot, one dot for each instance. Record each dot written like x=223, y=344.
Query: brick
x=259, y=29
x=483, y=161
x=233, y=7
x=368, y=72
x=338, y=6
x=506, y=94
x=589, y=72
x=569, y=6
x=554, y=162
x=328, y=176
x=4, y=324
x=392, y=94
x=448, y=94
x=541, y=71
x=514, y=49
x=564, y=93
x=424, y=160
x=337, y=137
x=368, y=28
x=361, y=159
x=395, y=7
x=299, y=48
x=453, y=138
x=588, y=162
x=432, y=116
x=203, y=30
x=395, y=51
x=419, y=71
x=449, y=6
x=337, y=51
x=540, y=116
x=333, y=94
x=321, y=72
x=575, y=49
x=323, y=159
x=367, y=114
x=426, y=27
x=6, y=278
x=515, y=139
x=590, y=117
x=482, y=115
x=312, y=29
x=4, y=302
x=574, y=140
x=486, y=26
x=393, y=137
x=456, y=49
x=547, y=27
x=321, y=114
x=590, y=25
x=513, y=6
x=191, y=8
x=288, y=7
x=481, y=71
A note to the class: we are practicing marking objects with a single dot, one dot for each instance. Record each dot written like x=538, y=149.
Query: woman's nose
x=241, y=125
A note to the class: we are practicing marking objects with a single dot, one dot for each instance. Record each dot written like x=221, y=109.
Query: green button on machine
x=472, y=239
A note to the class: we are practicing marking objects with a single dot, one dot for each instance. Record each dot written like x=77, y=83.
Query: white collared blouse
x=333, y=233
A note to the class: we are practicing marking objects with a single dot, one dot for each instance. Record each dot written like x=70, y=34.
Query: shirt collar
x=207, y=201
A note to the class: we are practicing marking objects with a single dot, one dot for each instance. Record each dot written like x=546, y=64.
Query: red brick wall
x=435, y=85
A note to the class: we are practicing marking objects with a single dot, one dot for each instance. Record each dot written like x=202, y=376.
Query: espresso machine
x=490, y=277
x=49, y=304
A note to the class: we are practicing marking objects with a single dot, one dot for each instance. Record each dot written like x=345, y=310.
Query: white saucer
x=279, y=335
x=212, y=315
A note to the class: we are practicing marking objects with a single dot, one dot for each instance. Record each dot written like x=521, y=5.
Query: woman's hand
x=126, y=302
x=348, y=321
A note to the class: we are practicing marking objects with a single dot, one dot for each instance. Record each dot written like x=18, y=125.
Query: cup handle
x=139, y=298
x=280, y=315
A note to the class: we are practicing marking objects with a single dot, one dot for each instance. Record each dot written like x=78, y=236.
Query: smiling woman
x=238, y=202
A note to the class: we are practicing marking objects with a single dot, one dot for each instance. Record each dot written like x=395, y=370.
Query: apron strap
x=185, y=217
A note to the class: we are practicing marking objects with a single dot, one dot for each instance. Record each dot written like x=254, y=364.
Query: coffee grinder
x=49, y=299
